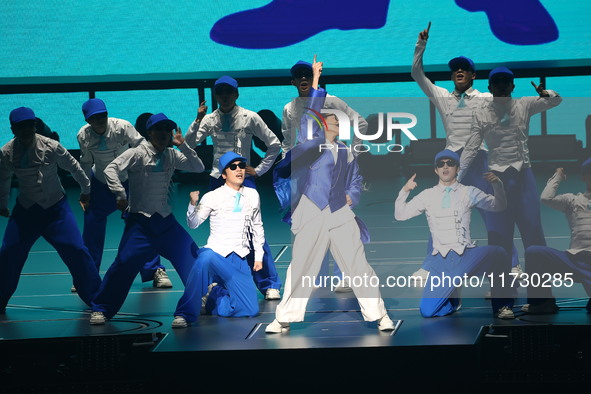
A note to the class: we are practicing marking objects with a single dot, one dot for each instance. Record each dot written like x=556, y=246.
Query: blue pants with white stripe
x=441, y=299
x=102, y=204
x=58, y=226
x=267, y=277
x=234, y=296
x=143, y=238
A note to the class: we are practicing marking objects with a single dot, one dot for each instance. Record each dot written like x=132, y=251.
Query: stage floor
x=43, y=307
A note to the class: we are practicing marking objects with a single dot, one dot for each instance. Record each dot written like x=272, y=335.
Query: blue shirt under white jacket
x=316, y=174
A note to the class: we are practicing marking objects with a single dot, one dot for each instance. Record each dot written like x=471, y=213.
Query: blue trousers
x=523, y=210
x=545, y=260
x=142, y=239
x=440, y=298
x=58, y=226
x=234, y=296
x=267, y=277
x=102, y=204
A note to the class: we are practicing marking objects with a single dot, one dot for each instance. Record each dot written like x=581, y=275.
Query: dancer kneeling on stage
x=234, y=213
x=150, y=228
x=448, y=207
x=562, y=267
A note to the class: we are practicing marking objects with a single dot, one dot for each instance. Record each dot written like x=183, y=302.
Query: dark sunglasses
x=303, y=73
x=233, y=166
x=450, y=163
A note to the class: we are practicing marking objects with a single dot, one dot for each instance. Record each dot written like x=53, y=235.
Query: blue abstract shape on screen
x=521, y=22
x=282, y=23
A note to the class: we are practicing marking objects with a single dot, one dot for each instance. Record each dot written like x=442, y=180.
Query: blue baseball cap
x=226, y=80
x=447, y=154
x=228, y=158
x=500, y=71
x=159, y=118
x=21, y=114
x=92, y=107
x=586, y=166
x=459, y=61
x=298, y=65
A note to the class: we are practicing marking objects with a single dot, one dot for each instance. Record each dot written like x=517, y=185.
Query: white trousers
x=310, y=245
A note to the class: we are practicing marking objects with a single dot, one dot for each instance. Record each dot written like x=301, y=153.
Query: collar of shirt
x=468, y=93
x=453, y=186
x=232, y=113
x=231, y=192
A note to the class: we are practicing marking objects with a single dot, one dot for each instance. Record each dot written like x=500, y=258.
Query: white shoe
x=525, y=308
x=97, y=318
x=385, y=323
x=272, y=294
x=505, y=313
x=206, y=296
x=161, y=279
x=421, y=277
x=342, y=288
x=520, y=274
x=275, y=327
x=179, y=322
x=73, y=289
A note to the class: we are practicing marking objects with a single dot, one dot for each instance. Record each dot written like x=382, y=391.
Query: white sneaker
x=505, y=313
x=275, y=327
x=97, y=318
x=525, y=308
x=272, y=294
x=385, y=323
x=520, y=274
x=206, y=296
x=179, y=322
x=161, y=279
x=73, y=289
x=421, y=277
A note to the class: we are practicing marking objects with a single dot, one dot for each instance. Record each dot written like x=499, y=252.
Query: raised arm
x=549, y=197
x=188, y=160
x=496, y=202
x=406, y=210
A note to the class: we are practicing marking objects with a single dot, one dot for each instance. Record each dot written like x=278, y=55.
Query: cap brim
x=167, y=122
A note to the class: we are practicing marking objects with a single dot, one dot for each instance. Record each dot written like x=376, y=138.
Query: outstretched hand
x=540, y=90
x=410, y=184
x=178, y=139
x=424, y=35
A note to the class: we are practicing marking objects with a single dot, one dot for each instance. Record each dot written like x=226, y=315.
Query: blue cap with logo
x=92, y=107
x=226, y=80
x=500, y=71
x=458, y=62
x=21, y=114
x=300, y=64
x=447, y=154
x=227, y=159
x=159, y=118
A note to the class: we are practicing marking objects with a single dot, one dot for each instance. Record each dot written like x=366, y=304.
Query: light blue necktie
x=505, y=119
x=461, y=103
x=446, y=201
x=160, y=158
x=24, y=160
x=237, y=203
x=226, y=122
x=102, y=143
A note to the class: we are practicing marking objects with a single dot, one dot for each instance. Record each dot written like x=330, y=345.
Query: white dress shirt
x=576, y=208
x=36, y=169
x=233, y=132
x=230, y=231
x=450, y=227
x=97, y=151
x=150, y=174
x=456, y=121
x=504, y=127
x=293, y=111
